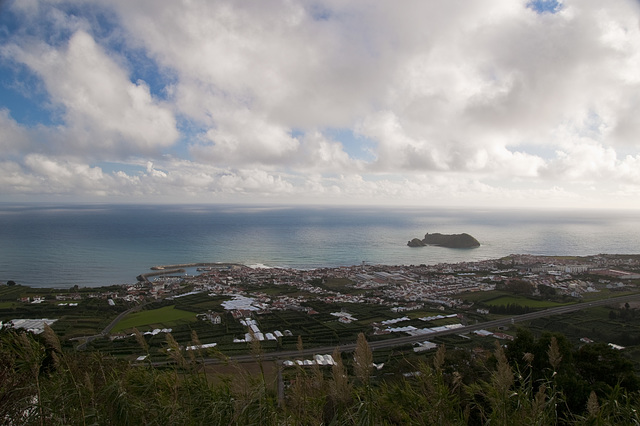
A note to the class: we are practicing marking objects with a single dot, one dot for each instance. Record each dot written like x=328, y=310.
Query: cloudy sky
x=435, y=103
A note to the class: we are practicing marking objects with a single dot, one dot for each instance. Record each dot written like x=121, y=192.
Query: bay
x=92, y=245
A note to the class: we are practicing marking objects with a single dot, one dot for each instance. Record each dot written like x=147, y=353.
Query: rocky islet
x=445, y=240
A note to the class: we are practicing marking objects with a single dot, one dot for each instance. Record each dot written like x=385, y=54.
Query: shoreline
x=160, y=270
x=195, y=265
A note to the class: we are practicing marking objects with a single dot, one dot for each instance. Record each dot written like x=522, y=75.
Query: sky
x=491, y=103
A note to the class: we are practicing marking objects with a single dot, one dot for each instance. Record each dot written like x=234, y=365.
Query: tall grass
x=42, y=384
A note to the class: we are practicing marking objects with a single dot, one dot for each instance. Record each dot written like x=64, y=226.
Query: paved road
x=398, y=341
x=107, y=329
x=121, y=315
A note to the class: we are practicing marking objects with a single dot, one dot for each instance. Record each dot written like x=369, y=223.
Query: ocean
x=92, y=245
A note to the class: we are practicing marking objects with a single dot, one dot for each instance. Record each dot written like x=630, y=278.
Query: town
x=230, y=305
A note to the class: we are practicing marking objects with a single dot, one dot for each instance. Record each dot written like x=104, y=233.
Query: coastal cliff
x=446, y=240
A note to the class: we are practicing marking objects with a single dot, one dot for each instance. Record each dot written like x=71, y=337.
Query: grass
x=606, y=293
x=481, y=296
x=595, y=324
x=161, y=317
x=522, y=301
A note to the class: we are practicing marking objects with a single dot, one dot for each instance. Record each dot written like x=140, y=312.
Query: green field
x=522, y=301
x=504, y=298
x=599, y=325
x=161, y=317
x=481, y=296
x=605, y=293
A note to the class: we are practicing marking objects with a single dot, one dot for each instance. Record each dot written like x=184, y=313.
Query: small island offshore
x=446, y=240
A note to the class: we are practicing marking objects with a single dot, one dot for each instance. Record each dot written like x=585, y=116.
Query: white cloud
x=103, y=110
x=13, y=180
x=242, y=138
x=183, y=181
x=13, y=138
x=584, y=161
x=485, y=100
x=628, y=171
x=320, y=154
x=273, y=57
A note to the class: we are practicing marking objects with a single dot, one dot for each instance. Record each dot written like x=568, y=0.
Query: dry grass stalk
x=593, y=407
x=141, y=340
x=554, y=354
x=363, y=359
x=51, y=339
x=503, y=376
x=174, y=351
x=438, y=359
x=528, y=358
x=340, y=388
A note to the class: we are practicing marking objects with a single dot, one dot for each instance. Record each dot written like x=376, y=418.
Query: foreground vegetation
x=532, y=381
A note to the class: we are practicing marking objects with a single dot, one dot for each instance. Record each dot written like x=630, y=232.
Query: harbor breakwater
x=179, y=268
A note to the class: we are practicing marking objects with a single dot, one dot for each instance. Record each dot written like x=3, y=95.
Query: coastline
x=195, y=265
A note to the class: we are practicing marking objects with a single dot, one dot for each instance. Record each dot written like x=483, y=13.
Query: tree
x=546, y=291
x=523, y=343
x=600, y=363
x=519, y=287
x=11, y=282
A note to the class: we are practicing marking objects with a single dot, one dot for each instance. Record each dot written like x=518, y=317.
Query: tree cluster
x=517, y=286
x=509, y=309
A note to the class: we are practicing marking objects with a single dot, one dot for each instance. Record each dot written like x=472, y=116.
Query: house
x=503, y=336
x=214, y=317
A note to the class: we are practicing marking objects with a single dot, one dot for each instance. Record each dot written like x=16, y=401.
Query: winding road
x=87, y=339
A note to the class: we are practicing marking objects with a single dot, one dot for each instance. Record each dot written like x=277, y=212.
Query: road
x=404, y=340
x=87, y=339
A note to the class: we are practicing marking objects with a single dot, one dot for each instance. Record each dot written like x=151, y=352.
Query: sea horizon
x=94, y=244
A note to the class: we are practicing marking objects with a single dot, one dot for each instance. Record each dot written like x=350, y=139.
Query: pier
x=179, y=268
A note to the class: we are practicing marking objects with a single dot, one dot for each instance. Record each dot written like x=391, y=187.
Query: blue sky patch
x=23, y=94
x=358, y=147
x=129, y=169
x=147, y=70
x=545, y=6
